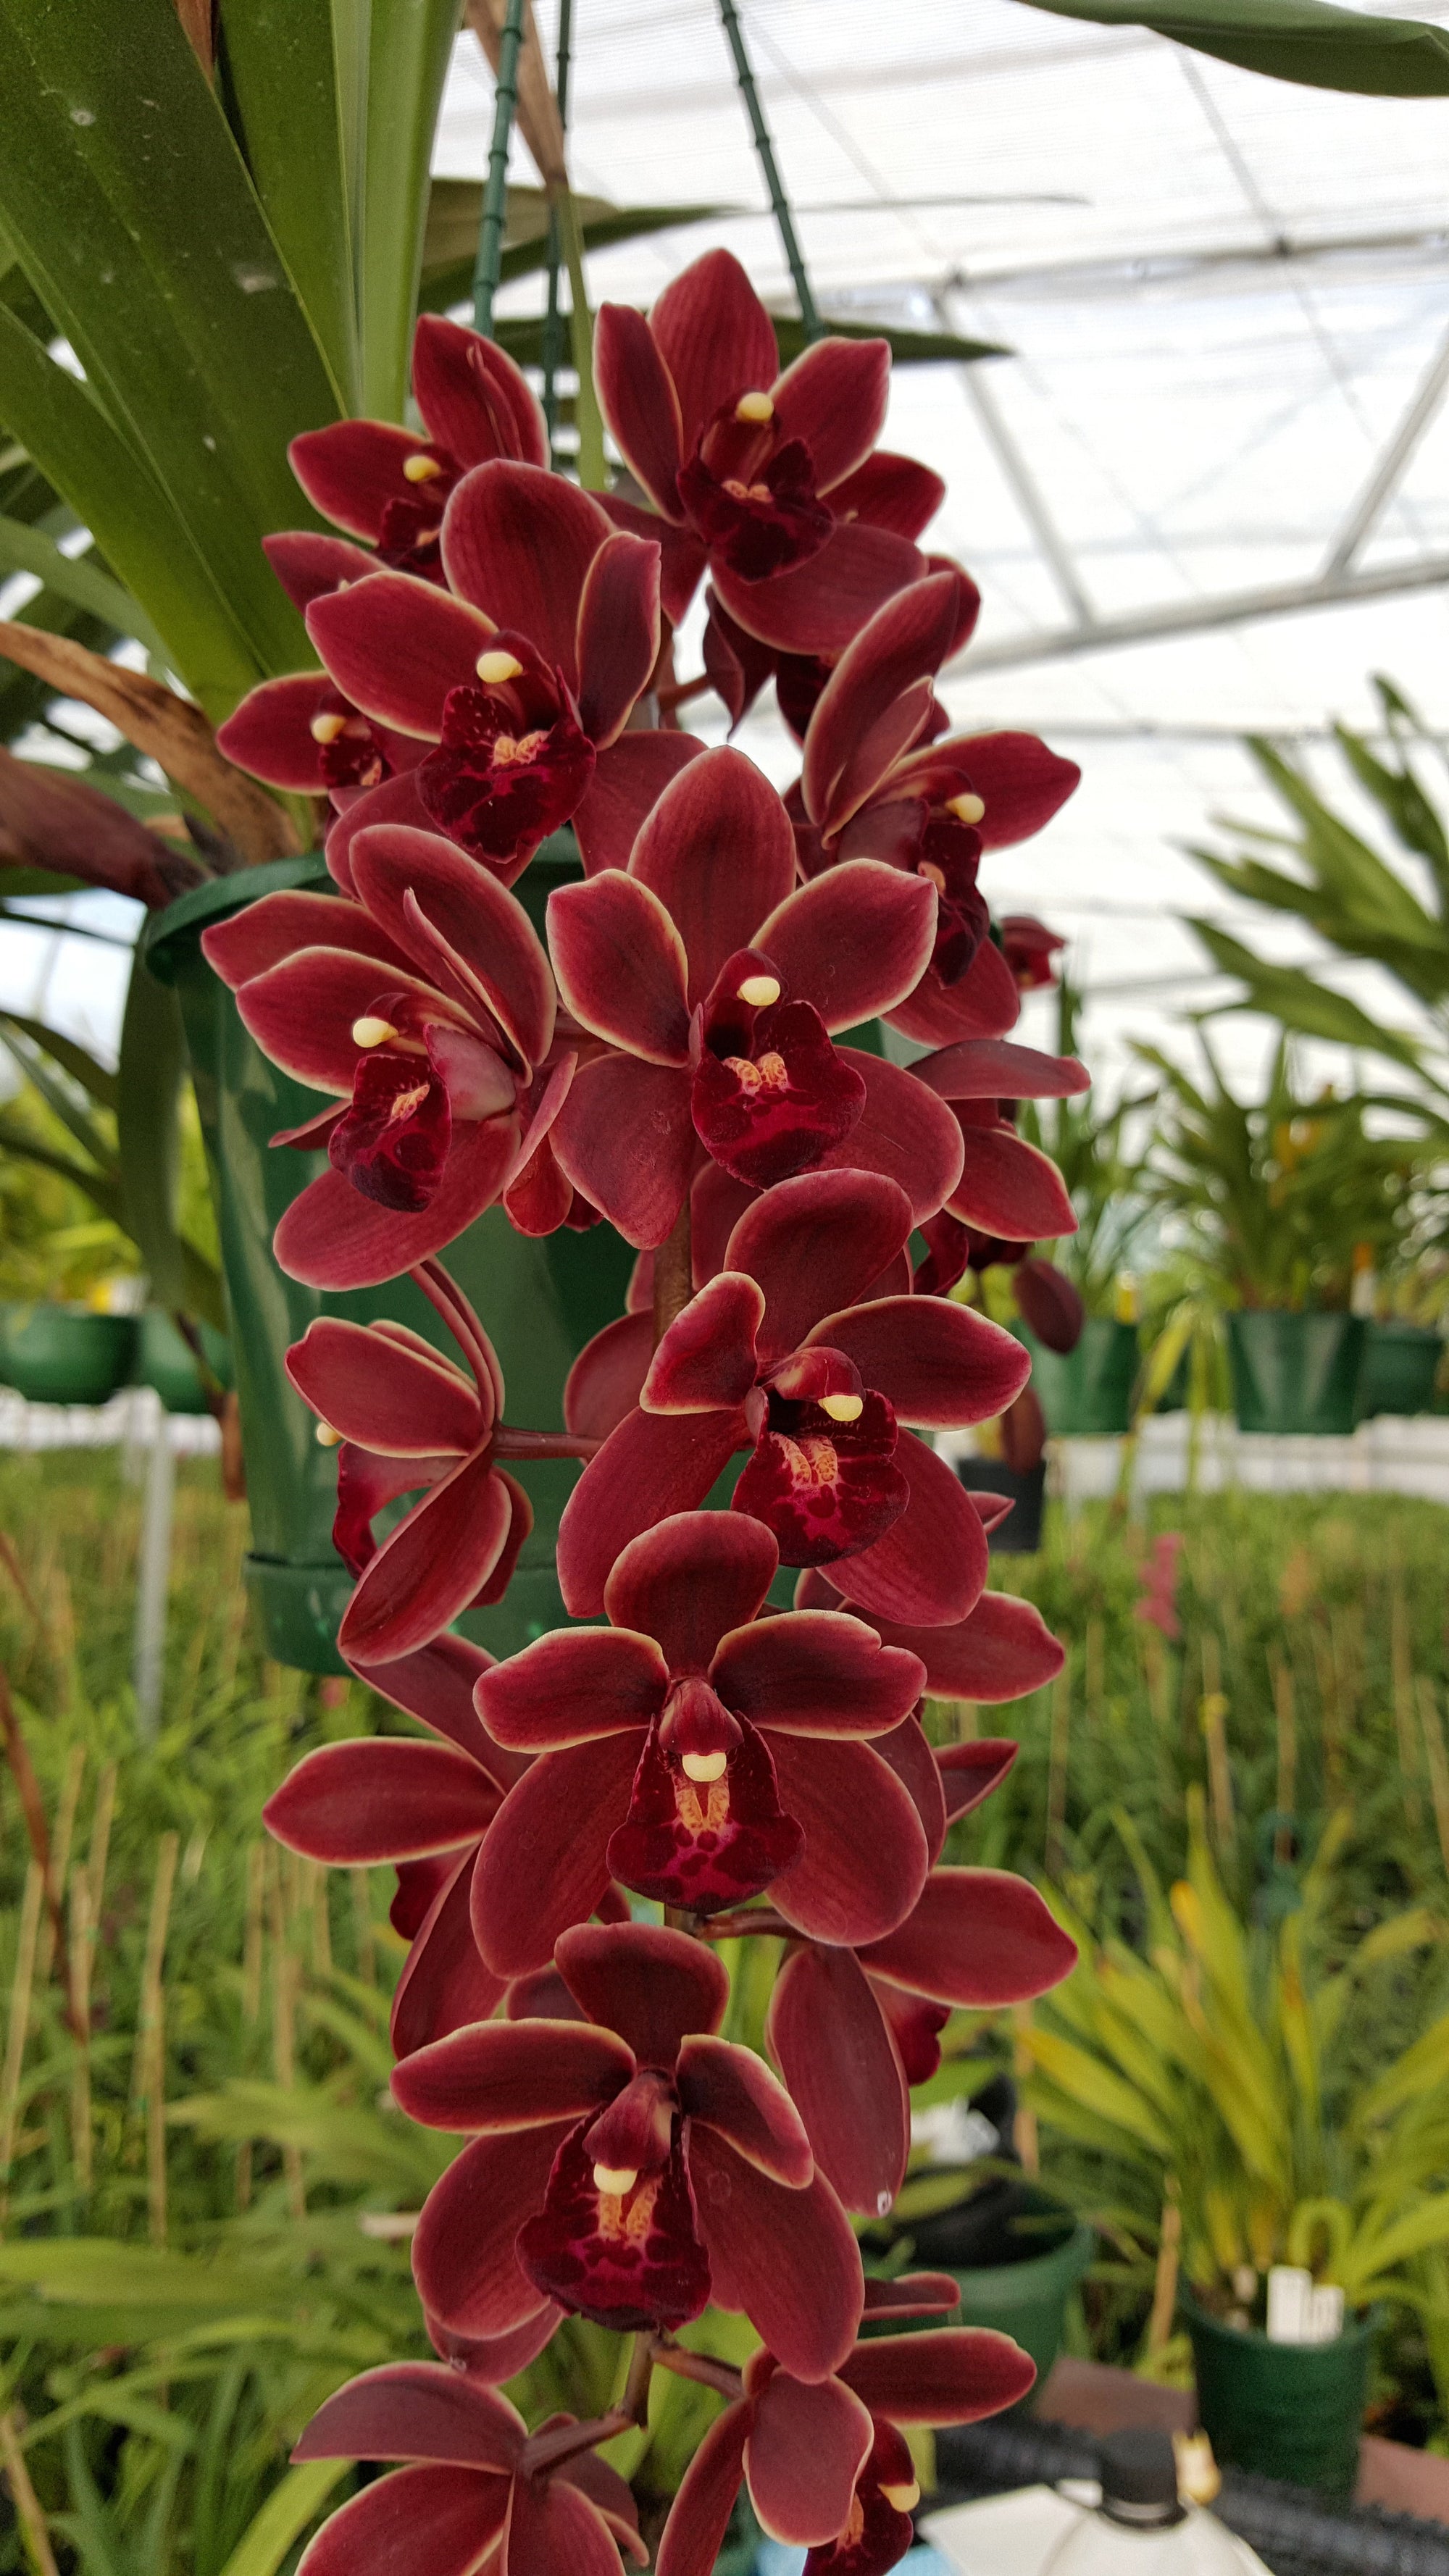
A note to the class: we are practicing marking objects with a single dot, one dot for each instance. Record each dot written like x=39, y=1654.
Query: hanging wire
x=553, y=335
x=730, y=21
x=489, y=262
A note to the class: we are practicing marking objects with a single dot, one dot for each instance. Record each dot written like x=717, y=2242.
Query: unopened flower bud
x=966, y=807
x=494, y=668
x=755, y=407
x=371, y=1032
x=760, y=991
x=420, y=468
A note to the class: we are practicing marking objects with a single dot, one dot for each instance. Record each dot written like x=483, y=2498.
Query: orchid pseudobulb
x=691, y=1054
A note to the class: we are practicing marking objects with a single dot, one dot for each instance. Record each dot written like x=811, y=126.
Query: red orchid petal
x=984, y=1004
x=539, y=1197
x=864, y=1861
x=395, y=646
x=993, y=1069
x=700, y=2514
x=1001, y=1651
x=572, y=1686
x=953, y=2375
x=333, y=1237
x=707, y=1357
x=912, y=2294
x=496, y=1582
x=552, y=2526
x=265, y=934
x=719, y=852
x=689, y=1580
x=732, y=2091
x=1008, y=1188
x=446, y=2520
x=270, y=733
x=473, y=399
x=380, y=1799
x=467, y=2274
x=495, y=2358
x=931, y=1564
x=629, y=778
x=991, y=1510
x=308, y=565
x=625, y=1139
x=969, y=1772
x=822, y=1236
x=351, y=470
x=936, y=1362
x=444, y=1983
x=834, y=397
x=397, y=800
x=607, y=2491
x=847, y=746
x=654, y=1464
x=1049, y=1304
x=603, y=1384
x=814, y=1672
x=977, y=1937
x=431, y=1567
x=436, y=1686
x=913, y=1763
x=912, y=1140
x=820, y=606
x=717, y=1202
x=621, y=965
x=542, y=1866
x=618, y=634
x=385, y=1396
x=790, y=2258
x=518, y=542
x=854, y=941
x=486, y=929
x=653, y=1986
x=807, y=2446
x=715, y=337
x=501, y=2075
x=1021, y=783
x=827, y=2036
x=638, y=400
x=891, y=492
x=416, y=2410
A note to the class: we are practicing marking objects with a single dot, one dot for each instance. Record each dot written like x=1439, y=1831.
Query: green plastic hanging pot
x=1400, y=1368
x=541, y=1300
x=1296, y=1373
x=165, y=1360
x=1004, y=2283
x=1087, y=1392
x=1282, y=2410
x=61, y=1355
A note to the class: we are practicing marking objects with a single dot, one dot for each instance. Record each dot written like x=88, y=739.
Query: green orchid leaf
x=284, y=2517
x=1293, y=40
x=1286, y=994
x=391, y=94
x=278, y=65
x=72, y=577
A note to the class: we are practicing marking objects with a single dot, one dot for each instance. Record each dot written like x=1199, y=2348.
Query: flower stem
x=760, y=1919
x=510, y=1442
x=545, y=2450
x=697, y=2365
x=673, y=1278
x=635, y=2400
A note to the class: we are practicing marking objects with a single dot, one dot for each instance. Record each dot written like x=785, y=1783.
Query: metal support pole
x=729, y=20
x=1391, y=467
x=495, y=196
x=154, y=1579
x=553, y=338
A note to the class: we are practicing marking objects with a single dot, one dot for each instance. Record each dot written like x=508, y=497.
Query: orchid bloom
x=428, y=1005
x=718, y=985
x=788, y=1353
x=630, y=2166
x=699, y=1754
x=1006, y=1188
x=1029, y=947
x=770, y=479
x=518, y=679
x=875, y=785
x=825, y=2463
x=389, y=486
x=475, y=2494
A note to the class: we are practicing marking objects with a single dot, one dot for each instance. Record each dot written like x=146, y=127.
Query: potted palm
x=1230, y=2078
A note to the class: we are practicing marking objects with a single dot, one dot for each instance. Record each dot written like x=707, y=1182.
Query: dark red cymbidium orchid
x=519, y=678
x=630, y=2166
x=429, y=1006
x=1000, y=1650
x=787, y=1353
x=301, y=734
x=875, y=784
x=1007, y=1188
x=475, y=2495
x=1029, y=947
x=699, y=1754
x=770, y=479
x=388, y=485
x=718, y=985
x=826, y=2464
x=423, y=1808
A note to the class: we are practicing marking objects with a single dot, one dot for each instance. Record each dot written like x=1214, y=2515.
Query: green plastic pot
x=59, y=1355
x=1401, y=1365
x=1025, y=2295
x=541, y=1300
x=165, y=1360
x=1087, y=1392
x=1296, y=1373
x=1282, y=2410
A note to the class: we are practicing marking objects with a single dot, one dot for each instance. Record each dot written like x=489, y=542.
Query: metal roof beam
x=1389, y=472
x=1028, y=494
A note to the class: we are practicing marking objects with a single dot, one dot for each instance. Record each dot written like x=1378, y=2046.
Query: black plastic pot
x=1019, y=1534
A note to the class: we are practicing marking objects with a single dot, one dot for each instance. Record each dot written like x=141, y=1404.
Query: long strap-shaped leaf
x=1294, y=40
